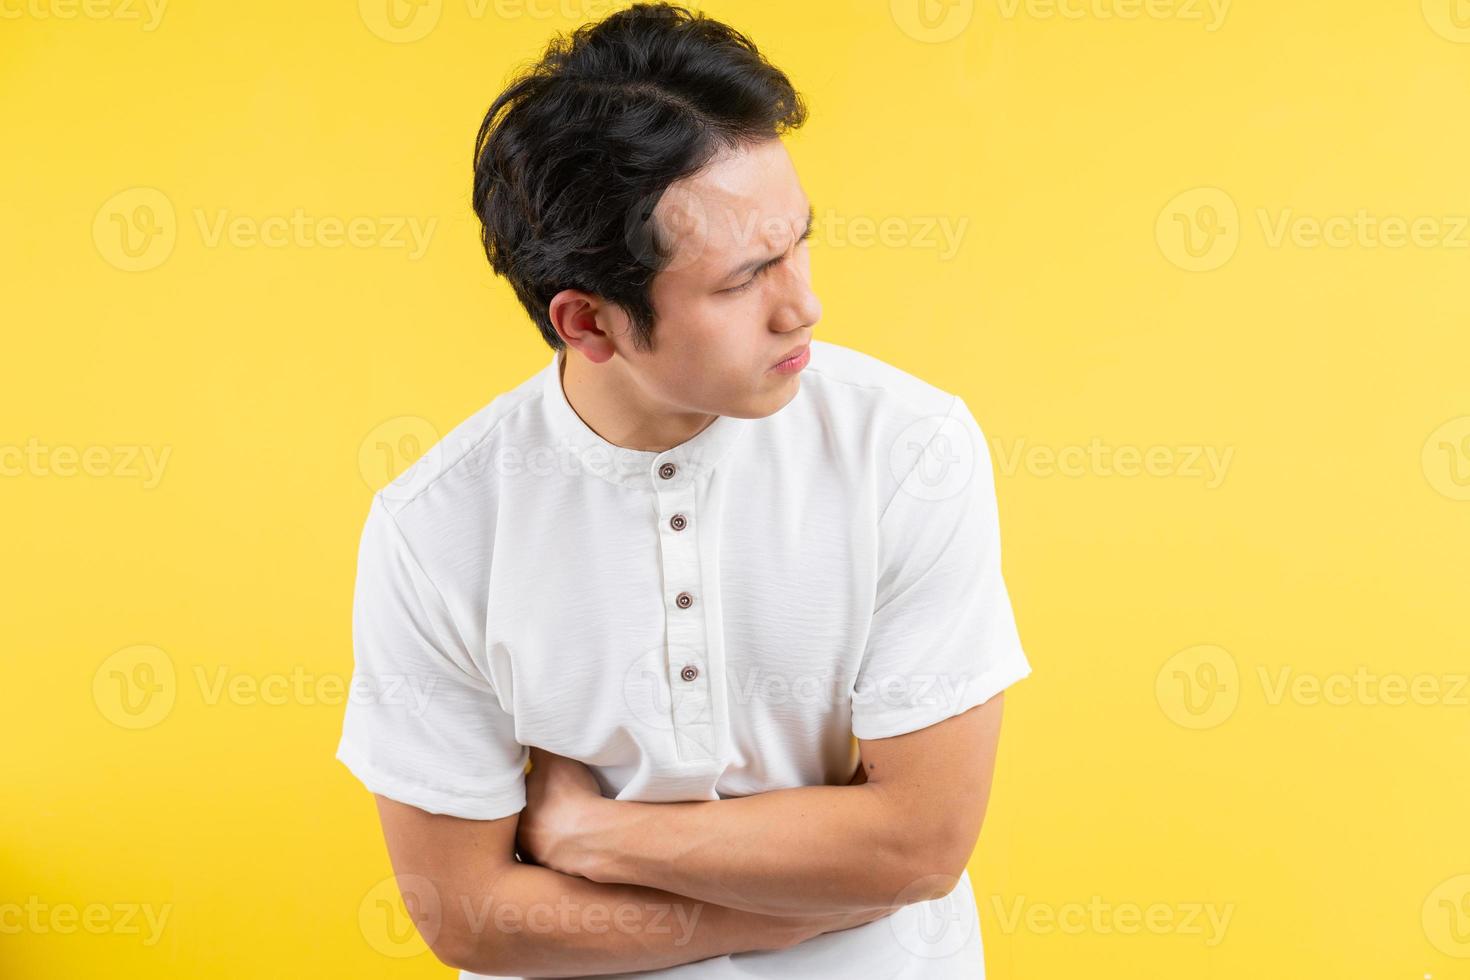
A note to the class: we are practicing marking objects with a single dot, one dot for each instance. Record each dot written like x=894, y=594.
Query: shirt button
x=689, y=672
x=678, y=522
x=684, y=600
x=667, y=471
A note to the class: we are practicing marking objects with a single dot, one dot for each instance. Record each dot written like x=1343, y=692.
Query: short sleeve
x=943, y=637
x=423, y=725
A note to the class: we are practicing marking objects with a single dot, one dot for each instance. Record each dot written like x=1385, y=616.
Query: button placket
x=694, y=734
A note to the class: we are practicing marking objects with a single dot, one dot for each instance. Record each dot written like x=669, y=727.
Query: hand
x=561, y=797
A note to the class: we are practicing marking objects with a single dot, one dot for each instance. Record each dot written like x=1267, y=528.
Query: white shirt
x=716, y=620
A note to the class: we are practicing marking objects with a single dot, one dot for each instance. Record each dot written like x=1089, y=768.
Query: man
x=693, y=571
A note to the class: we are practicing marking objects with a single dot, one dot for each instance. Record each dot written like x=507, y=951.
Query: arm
x=904, y=835
x=941, y=611
x=449, y=779
x=480, y=910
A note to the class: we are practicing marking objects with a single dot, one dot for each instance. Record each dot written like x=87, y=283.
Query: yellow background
x=1151, y=761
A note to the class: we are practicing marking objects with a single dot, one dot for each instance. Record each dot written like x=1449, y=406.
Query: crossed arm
x=759, y=872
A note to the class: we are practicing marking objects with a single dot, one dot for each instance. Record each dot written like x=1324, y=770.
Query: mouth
x=794, y=361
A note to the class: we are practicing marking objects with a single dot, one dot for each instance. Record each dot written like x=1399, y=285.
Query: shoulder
x=445, y=500
x=879, y=406
x=899, y=427
x=884, y=389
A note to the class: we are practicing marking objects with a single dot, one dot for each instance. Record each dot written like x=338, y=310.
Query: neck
x=617, y=410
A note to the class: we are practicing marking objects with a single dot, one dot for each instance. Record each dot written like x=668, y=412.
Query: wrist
x=592, y=854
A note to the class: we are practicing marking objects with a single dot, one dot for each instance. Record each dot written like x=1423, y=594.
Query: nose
x=801, y=307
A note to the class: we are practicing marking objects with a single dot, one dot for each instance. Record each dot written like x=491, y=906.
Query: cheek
x=720, y=348
x=721, y=372
x=732, y=333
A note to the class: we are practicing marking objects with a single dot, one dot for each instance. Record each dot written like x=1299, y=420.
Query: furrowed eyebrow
x=760, y=265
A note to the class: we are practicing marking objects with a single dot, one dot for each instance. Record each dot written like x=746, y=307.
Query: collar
x=585, y=451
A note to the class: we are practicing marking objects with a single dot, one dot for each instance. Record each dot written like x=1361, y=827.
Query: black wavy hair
x=574, y=154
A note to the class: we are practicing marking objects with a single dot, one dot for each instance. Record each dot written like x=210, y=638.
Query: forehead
x=746, y=203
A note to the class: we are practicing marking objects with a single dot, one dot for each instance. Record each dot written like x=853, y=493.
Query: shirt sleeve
x=943, y=637
x=423, y=725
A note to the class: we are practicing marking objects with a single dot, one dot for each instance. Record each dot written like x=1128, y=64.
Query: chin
x=777, y=399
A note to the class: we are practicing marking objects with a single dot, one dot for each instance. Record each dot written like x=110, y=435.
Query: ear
x=580, y=320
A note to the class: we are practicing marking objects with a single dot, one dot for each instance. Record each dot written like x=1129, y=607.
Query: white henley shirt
x=716, y=620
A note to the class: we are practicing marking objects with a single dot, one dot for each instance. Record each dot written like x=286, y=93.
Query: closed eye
x=745, y=285
x=733, y=290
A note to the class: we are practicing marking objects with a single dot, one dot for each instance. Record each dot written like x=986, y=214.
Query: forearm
x=810, y=849
x=532, y=921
